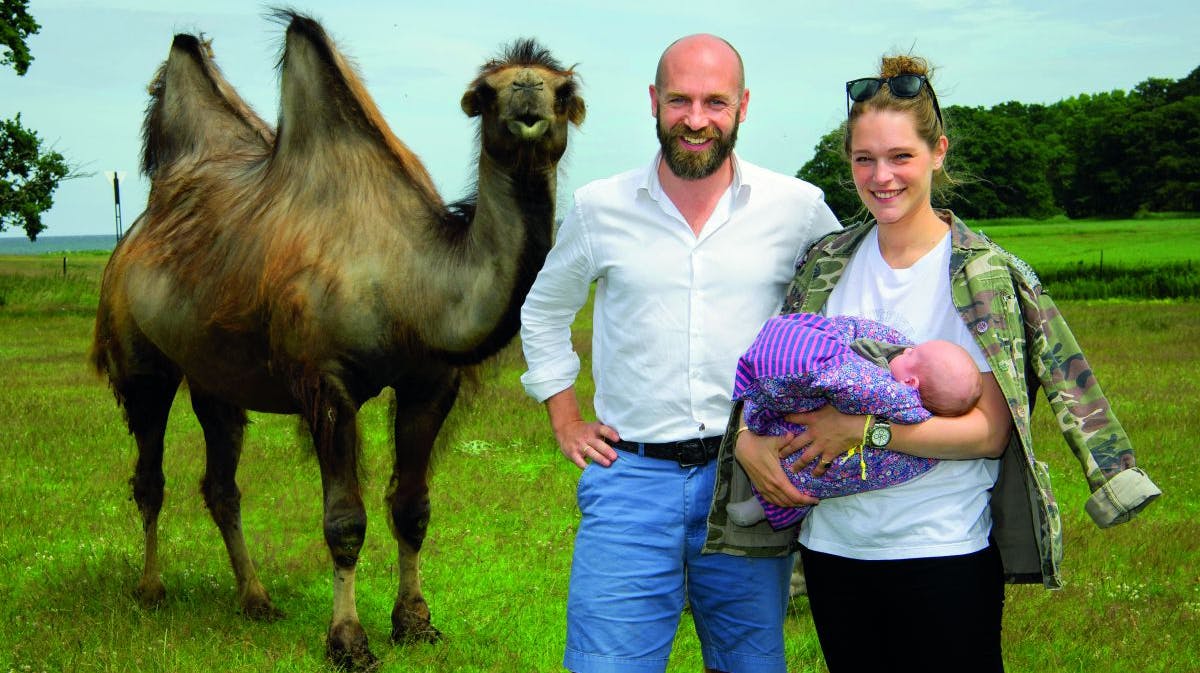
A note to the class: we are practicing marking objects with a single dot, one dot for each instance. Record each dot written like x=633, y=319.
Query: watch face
x=880, y=435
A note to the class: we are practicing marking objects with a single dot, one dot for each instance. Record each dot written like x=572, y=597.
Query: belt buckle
x=690, y=453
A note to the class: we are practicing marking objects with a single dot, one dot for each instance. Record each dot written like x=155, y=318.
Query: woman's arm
x=982, y=432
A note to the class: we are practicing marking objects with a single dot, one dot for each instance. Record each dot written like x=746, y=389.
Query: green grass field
x=496, y=561
x=1128, y=243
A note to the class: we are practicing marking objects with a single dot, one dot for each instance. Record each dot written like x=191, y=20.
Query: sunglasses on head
x=901, y=86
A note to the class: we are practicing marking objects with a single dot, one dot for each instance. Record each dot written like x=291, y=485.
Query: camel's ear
x=477, y=98
x=576, y=110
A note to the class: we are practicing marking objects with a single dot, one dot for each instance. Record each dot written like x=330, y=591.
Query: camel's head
x=526, y=100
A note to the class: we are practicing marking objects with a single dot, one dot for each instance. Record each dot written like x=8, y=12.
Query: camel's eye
x=485, y=94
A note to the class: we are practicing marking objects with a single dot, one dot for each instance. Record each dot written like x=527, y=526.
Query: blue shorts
x=644, y=521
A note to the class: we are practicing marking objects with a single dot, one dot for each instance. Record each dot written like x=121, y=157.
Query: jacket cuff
x=1119, y=499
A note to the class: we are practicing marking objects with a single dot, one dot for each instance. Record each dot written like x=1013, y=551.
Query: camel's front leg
x=417, y=422
x=332, y=419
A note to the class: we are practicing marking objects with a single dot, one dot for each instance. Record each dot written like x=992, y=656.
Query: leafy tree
x=28, y=174
x=1188, y=86
x=16, y=25
x=829, y=170
x=999, y=160
x=1168, y=146
x=29, y=178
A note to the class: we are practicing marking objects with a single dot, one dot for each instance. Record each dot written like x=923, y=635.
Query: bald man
x=690, y=255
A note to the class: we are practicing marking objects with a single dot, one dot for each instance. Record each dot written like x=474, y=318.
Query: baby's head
x=943, y=373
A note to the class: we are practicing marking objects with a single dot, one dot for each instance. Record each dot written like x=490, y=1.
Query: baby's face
x=904, y=366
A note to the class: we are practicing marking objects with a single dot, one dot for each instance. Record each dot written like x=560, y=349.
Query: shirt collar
x=741, y=186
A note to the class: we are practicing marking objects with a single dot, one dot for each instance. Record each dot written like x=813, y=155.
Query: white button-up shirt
x=673, y=310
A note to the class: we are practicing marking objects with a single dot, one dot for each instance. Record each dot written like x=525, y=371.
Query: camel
x=304, y=270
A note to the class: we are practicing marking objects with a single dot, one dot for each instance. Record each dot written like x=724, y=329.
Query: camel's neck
x=496, y=258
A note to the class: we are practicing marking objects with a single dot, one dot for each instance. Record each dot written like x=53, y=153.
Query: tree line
x=1111, y=155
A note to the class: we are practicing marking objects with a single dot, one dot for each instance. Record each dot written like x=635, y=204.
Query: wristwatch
x=880, y=434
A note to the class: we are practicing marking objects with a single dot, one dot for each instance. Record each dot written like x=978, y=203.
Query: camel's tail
x=194, y=113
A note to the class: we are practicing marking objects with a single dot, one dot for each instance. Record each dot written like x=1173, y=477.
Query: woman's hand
x=759, y=456
x=828, y=434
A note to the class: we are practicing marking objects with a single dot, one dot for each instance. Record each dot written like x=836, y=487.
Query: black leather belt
x=688, y=453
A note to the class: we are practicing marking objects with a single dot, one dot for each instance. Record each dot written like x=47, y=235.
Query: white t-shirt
x=944, y=512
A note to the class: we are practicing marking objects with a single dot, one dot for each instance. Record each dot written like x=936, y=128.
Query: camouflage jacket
x=1028, y=345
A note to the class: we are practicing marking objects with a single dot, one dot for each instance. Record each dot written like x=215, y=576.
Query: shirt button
x=701, y=428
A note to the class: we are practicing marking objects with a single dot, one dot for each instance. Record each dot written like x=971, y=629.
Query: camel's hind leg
x=147, y=401
x=420, y=411
x=223, y=424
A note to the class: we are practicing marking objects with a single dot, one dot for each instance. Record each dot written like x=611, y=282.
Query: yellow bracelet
x=740, y=431
x=862, y=448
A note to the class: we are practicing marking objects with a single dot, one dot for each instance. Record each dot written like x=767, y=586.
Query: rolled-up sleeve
x=560, y=290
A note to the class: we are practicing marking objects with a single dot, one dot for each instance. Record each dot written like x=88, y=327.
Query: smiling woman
x=893, y=171
x=932, y=555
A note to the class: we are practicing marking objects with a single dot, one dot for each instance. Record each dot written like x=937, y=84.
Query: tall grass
x=496, y=561
x=1087, y=281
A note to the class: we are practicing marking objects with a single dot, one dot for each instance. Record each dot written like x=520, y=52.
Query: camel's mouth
x=528, y=119
x=528, y=127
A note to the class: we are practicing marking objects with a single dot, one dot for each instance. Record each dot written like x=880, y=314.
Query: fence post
x=64, y=267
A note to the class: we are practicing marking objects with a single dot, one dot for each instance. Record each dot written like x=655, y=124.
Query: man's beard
x=694, y=165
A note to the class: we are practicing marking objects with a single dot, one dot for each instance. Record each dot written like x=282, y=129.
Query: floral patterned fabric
x=803, y=361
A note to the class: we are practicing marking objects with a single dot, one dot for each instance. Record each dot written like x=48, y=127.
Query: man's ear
x=653, y=101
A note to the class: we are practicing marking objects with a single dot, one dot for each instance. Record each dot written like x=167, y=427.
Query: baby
x=802, y=361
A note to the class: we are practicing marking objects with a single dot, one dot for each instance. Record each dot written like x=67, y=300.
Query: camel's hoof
x=413, y=626
x=347, y=648
x=262, y=611
x=150, y=593
x=256, y=604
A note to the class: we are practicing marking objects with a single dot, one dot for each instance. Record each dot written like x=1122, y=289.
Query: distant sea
x=20, y=245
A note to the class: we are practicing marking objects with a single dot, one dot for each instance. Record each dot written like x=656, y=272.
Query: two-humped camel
x=305, y=270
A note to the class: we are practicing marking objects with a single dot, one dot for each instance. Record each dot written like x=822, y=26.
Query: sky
x=85, y=93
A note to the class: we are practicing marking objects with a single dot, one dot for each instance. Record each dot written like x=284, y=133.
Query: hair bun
x=891, y=66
